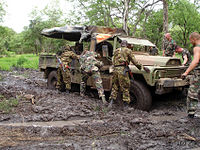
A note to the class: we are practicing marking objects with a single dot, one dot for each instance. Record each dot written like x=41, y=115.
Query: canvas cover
x=136, y=41
x=79, y=33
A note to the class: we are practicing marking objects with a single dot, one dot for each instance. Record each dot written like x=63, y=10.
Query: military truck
x=165, y=72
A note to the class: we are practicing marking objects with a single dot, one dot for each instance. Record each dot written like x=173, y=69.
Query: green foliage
x=2, y=10
x=185, y=20
x=154, y=28
x=6, y=35
x=143, y=21
x=6, y=105
x=23, y=61
x=31, y=40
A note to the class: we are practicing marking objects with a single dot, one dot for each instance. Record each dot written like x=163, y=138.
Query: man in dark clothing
x=153, y=51
x=186, y=56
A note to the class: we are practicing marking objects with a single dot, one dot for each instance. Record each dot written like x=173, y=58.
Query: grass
x=20, y=61
x=6, y=105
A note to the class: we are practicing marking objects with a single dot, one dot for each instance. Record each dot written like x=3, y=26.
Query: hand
x=146, y=69
x=183, y=76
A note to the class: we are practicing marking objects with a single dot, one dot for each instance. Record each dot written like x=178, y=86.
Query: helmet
x=124, y=43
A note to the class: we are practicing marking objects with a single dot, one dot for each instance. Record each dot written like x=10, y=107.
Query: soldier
x=186, y=56
x=122, y=57
x=63, y=72
x=153, y=51
x=169, y=46
x=90, y=67
x=194, y=89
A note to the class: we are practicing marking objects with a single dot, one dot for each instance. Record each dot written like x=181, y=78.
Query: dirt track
x=67, y=121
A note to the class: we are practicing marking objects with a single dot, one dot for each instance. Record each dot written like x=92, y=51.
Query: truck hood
x=158, y=60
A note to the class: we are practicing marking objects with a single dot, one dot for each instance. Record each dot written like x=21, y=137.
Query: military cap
x=124, y=43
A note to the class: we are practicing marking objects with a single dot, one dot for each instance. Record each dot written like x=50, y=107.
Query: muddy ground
x=67, y=121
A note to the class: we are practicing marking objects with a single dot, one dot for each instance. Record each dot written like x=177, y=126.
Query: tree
x=2, y=10
x=154, y=27
x=6, y=35
x=165, y=16
x=126, y=14
x=185, y=20
x=49, y=17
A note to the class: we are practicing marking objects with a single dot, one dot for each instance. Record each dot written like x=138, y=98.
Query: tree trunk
x=125, y=15
x=165, y=19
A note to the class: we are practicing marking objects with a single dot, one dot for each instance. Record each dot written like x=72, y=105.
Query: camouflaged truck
x=165, y=72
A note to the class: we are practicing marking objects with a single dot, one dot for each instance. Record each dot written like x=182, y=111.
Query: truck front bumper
x=165, y=85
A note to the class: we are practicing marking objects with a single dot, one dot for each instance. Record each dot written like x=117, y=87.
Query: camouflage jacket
x=89, y=63
x=124, y=54
x=67, y=56
x=169, y=47
x=187, y=53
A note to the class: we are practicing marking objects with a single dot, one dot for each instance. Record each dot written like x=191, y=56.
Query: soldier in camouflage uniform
x=64, y=75
x=121, y=79
x=169, y=46
x=186, y=56
x=194, y=89
x=90, y=67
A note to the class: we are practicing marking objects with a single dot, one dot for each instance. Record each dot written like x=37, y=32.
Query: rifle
x=127, y=69
x=64, y=66
x=61, y=64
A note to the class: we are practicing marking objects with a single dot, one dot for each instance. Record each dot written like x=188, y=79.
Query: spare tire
x=140, y=95
x=52, y=80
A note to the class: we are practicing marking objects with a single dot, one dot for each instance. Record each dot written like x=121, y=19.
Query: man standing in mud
x=90, y=67
x=63, y=72
x=194, y=89
x=169, y=46
x=121, y=59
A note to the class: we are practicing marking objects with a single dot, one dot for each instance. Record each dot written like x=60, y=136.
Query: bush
x=21, y=60
x=5, y=53
x=6, y=105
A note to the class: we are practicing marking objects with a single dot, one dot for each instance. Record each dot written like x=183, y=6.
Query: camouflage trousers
x=98, y=82
x=63, y=78
x=120, y=82
x=193, y=92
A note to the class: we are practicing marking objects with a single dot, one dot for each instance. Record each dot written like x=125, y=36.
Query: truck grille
x=171, y=73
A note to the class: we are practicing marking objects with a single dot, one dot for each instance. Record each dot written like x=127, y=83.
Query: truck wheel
x=140, y=95
x=52, y=79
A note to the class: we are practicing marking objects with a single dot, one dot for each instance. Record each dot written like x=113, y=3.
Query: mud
x=67, y=121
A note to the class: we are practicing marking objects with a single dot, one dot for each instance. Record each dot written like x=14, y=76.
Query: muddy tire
x=140, y=95
x=52, y=79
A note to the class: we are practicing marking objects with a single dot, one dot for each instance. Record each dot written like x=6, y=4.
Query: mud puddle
x=67, y=121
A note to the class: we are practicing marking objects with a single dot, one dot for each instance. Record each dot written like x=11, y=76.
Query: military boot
x=191, y=113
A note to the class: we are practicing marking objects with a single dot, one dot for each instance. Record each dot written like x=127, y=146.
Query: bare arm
x=195, y=61
x=163, y=52
x=185, y=59
x=174, y=54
